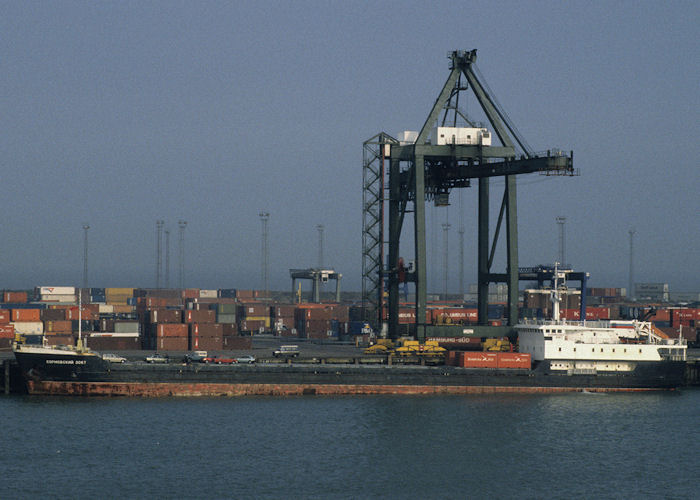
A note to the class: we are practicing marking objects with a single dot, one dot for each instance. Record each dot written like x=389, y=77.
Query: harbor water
x=579, y=445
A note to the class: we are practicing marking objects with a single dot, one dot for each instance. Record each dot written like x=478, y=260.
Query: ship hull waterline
x=215, y=380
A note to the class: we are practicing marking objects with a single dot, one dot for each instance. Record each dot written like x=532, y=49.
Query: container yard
x=175, y=322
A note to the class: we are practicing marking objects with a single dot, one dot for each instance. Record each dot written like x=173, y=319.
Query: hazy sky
x=121, y=113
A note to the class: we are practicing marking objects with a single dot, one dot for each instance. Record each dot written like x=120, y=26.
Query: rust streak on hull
x=209, y=389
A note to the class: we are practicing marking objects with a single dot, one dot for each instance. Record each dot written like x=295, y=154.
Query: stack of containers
x=494, y=360
x=226, y=311
x=313, y=321
x=282, y=317
x=27, y=321
x=7, y=330
x=253, y=317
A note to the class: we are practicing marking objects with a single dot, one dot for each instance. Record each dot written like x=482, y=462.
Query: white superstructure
x=592, y=346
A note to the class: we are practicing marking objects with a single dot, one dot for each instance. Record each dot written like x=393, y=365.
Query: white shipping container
x=57, y=290
x=29, y=327
x=106, y=309
x=126, y=327
x=208, y=294
x=63, y=299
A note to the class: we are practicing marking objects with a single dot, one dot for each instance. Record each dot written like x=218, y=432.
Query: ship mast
x=556, y=297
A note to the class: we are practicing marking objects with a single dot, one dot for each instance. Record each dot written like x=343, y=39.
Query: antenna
x=561, y=220
x=631, y=293
x=182, y=224
x=85, y=255
x=264, y=217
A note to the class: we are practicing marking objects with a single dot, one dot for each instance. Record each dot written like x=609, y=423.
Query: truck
x=286, y=351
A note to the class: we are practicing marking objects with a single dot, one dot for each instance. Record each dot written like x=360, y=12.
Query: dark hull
x=139, y=379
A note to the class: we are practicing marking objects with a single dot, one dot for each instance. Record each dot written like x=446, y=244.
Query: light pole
x=264, y=217
x=182, y=224
x=85, y=255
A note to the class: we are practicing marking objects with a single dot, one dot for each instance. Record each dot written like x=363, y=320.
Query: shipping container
x=172, y=330
x=56, y=290
x=26, y=315
x=473, y=359
x=100, y=342
x=7, y=331
x=15, y=297
x=5, y=316
x=233, y=343
x=28, y=327
x=204, y=316
x=58, y=327
x=173, y=343
x=208, y=294
x=513, y=360
x=60, y=340
x=126, y=327
x=206, y=343
x=227, y=293
x=226, y=318
x=165, y=316
x=206, y=330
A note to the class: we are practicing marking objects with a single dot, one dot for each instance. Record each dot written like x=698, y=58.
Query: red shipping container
x=513, y=360
x=237, y=343
x=251, y=325
x=172, y=343
x=5, y=315
x=7, y=331
x=58, y=327
x=165, y=316
x=472, y=359
x=15, y=297
x=593, y=313
x=26, y=315
x=283, y=311
x=74, y=313
x=203, y=316
x=60, y=339
x=207, y=343
x=229, y=329
x=53, y=314
x=254, y=310
x=190, y=293
x=206, y=329
x=172, y=330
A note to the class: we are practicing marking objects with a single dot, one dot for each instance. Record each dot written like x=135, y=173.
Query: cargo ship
x=71, y=371
x=554, y=356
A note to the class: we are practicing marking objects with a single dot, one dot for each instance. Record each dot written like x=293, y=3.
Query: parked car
x=195, y=357
x=113, y=358
x=158, y=358
x=246, y=359
x=218, y=360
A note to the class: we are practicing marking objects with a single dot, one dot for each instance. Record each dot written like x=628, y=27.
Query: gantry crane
x=424, y=168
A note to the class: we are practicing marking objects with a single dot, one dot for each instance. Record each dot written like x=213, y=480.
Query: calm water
x=502, y=446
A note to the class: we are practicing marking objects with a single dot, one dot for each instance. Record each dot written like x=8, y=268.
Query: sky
x=118, y=114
